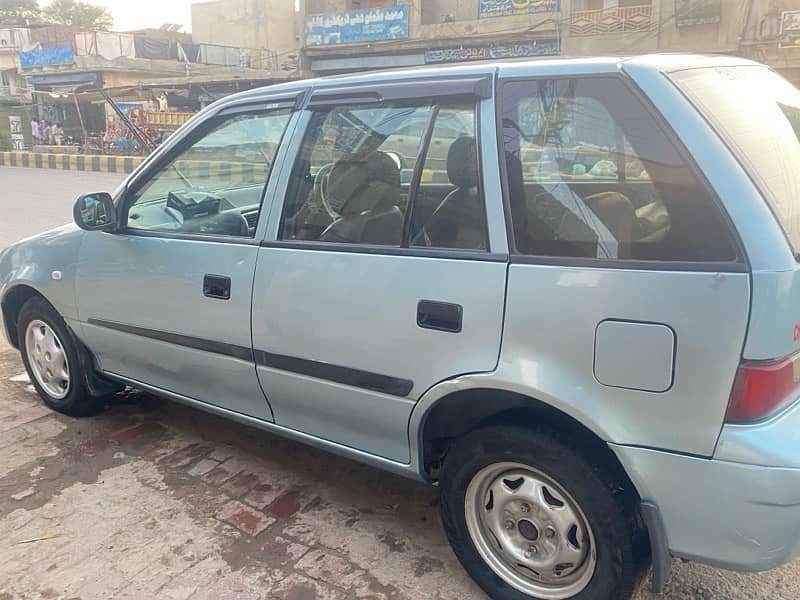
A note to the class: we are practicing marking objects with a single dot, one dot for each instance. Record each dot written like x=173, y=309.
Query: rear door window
x=592, y=175
x=757, y=113
x=403, y=175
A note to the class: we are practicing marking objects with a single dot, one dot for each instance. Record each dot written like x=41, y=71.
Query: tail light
x=763, y=388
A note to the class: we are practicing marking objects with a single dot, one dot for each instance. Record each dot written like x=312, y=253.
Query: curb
x=71, y=162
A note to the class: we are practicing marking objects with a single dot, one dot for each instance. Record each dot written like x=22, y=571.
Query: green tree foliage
x=18, y=13
x=77, y=12
x=6, y=141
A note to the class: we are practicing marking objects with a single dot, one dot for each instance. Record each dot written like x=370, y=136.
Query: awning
x=65, y=79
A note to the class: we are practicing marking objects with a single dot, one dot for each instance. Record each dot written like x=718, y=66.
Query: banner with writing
x=495, y=51
x=510, y=8
x=790, y=29
x=356, y=26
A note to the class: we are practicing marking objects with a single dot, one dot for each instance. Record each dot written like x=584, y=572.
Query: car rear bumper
x=728, y=514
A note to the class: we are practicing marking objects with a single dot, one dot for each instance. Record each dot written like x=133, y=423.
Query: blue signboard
x=355, y=26
x=510, y=8
x=465, y=53
x=41, y=57
x=63, y=79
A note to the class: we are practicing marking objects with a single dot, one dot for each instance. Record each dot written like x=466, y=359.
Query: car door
x=371, y=288
x=165, y=302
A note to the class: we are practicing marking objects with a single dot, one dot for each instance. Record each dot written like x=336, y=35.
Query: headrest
x=361, y=183
x=462, y=162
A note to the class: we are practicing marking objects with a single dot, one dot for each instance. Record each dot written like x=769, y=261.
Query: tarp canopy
x=219, y=55
x=107, y=44
x=46, y=56
x=153, y=48
x=15, y=37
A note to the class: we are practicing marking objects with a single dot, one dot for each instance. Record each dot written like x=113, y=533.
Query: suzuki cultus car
x=565, y=291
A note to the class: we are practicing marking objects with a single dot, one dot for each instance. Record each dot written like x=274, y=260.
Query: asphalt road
x=168, y=502
x=34, y=200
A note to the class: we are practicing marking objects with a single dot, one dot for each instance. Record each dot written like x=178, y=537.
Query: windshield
x=757, y=113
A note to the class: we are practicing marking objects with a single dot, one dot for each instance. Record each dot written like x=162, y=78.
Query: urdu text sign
x=357, y=26
x=509, y=8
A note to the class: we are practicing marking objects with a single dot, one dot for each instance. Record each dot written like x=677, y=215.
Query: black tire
x=614, y=526
x=78, y=402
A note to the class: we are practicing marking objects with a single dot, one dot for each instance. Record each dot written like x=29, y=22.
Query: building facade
x=15, y=98
x=63, y=76
x=352, y=35
x=270, y=25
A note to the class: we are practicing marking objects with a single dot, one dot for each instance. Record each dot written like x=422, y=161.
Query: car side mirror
x=95, y=212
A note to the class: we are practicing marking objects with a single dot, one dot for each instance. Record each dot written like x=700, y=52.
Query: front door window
x=214, y=186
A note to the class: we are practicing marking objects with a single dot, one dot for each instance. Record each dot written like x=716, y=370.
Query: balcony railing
x=612, y=20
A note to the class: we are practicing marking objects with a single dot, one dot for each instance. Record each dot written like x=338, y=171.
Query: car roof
x=530, y=67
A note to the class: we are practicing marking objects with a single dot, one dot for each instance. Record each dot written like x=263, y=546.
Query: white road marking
x=22, y=378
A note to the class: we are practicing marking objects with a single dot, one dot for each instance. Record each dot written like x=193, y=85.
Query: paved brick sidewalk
x=154, y=500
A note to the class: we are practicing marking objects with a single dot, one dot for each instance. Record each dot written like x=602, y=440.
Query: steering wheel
x=320, y=192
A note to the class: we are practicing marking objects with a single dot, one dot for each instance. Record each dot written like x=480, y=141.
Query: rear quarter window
x=592, y=175
x=757, y=114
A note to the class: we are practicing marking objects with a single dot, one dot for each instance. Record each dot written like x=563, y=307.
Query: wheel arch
x=11, y=304
x=461, y=410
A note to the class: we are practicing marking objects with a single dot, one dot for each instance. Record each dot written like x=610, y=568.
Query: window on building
x=215, y=186
x=580, y=5
x=315, y=7
x=592, y=175
x=363, y=177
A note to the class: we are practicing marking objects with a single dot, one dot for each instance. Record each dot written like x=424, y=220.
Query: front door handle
x=217, y=286
x=440, y=316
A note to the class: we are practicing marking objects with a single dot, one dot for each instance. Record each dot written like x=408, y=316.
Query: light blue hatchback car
x=567, y=291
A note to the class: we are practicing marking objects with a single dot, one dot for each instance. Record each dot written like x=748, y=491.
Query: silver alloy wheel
x=47, y=358
x=530, y=531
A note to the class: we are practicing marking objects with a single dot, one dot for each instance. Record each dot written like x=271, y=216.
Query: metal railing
x=612, y=20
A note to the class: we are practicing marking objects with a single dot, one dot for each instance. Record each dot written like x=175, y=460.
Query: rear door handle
x=440, y=316
x=217, y=286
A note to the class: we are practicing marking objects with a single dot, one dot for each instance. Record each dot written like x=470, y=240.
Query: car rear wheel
x=50, y=355
x=531, y=518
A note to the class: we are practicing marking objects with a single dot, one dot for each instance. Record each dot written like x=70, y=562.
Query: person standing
x=35, y=131
x=58, y=134
x=163, y=103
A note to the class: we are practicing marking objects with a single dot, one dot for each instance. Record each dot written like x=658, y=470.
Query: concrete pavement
x=152, y=499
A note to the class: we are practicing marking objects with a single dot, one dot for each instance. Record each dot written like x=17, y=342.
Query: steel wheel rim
x=47, y=359
x=528, y=528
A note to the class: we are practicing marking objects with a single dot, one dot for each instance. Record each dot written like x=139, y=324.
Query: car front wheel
x=50, y=355
x=530, y=518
